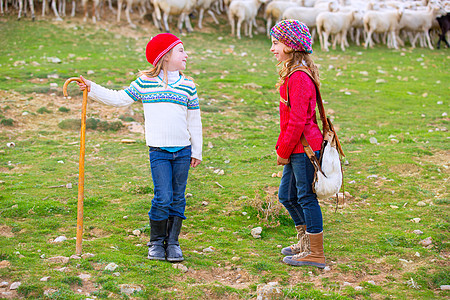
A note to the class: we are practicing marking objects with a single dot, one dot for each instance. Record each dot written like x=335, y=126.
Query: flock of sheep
x=391, y=22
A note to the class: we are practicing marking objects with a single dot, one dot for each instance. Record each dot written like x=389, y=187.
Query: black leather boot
x=158, y=233
x=173, y=250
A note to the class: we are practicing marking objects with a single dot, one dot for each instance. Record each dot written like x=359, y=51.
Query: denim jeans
x=169, y=173
x=296, y=194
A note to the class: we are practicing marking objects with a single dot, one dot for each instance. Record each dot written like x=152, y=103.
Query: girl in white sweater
x=173, y=132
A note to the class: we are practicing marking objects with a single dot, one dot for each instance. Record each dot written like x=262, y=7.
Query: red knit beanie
x=159, y=45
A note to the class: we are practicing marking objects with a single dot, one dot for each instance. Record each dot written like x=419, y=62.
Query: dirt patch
x=406, y=170
x=6, y=231
x=441, y=159
x=228, y=276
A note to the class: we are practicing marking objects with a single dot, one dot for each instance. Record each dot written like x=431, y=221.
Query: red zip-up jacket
x=300, y=118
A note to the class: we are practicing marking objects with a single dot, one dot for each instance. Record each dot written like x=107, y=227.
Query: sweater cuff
x=284, y=152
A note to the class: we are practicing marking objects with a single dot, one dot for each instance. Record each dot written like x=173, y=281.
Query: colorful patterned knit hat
x=293, y=34
x=159, y=45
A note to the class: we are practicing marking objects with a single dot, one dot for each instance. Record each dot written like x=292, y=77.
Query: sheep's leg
x=200, y=17
x=313, y=34
x=119, y=9
x=187, y=22
x=73, y=8
x=268, y=25
x=250, y=27
x=55, y=11
x=344, y=41
x=211, y=13
x=1, y=7
x=165, y=18
x=44, y=6
x=20, y=9
x=368, y=39
x=325, y=41
x=231, y=21
x=127, y=13
x=357, y=37
x=32, y=11
x=94, y=7
x=238, y=28
x=428, y=39
x=394, y=40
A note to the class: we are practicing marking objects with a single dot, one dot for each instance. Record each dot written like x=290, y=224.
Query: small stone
x=417, y=254
x=129, y=289
x=221, y=172
x=87, y=255
x=426, y=242
x=117, y=274
x=272, y=290
x=181, y=267
x=111, y=267
x=10, y=145
x=371, y=282
x=347, y=283
x=136, y=232
x=421, y=203
x=280, y=174
x=4, y=284
x=371, y=220
x=327, y=269
x=45, y=278
x=59, y=259
x=418, y=232
x=359, y=288
x=235, y=258
x=393, y=206
x=415, y=220
x=256, y=232
x=15, y=285
x=244, y=213
x=90, y=72
x=445, y=287
x=125, y=217
x=274, y=175
x=49, y=292
x=60, y=239
x=205, y=203
x=395, y=141
x=372, y=132
x=54, y=60
x=373, y=140
x=84, y=276
x=210, y=145
x=188, y=195
x=75, y=257
x=209, y=249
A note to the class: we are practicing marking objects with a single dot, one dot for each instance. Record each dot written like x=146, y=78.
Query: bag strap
x=326, y=123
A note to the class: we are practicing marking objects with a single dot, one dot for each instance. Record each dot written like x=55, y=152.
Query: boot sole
x=156, y=258
x=175, y=259
x=293, y=262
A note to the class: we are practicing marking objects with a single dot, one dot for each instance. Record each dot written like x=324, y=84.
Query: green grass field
x=400, y=98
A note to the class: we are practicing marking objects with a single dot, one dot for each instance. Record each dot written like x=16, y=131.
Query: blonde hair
x=298, y=60
x=160, y=65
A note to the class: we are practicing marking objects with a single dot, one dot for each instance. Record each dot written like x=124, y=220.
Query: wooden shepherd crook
x=81, y=163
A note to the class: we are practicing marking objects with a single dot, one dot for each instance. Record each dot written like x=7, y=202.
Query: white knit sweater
x=172, y=112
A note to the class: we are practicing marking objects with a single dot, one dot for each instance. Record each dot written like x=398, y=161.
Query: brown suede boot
x=314, y=258
x=301, y=246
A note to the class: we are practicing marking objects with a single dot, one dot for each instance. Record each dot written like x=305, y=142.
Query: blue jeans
x=296, y=194
x=169, y=173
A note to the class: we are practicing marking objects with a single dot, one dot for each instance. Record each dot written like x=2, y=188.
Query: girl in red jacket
x=291, y=45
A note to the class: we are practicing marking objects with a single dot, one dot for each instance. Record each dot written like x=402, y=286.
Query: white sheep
x=384, y=21
x=243, y=11
x=95, y=11
x=308, y=15
x=203, y=5
x=274, y=11
x=336, y=23
x=180, y=8
x=21, y=9
x=418, y=21
x=142, y=9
